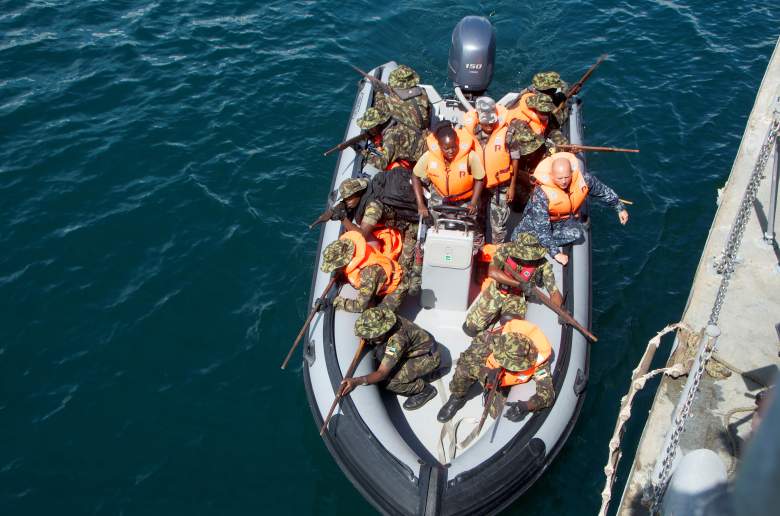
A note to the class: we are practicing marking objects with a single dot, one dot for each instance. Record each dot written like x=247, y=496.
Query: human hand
x=623, y=216
x=561, y=258
x=471, y=209
x=510, y=196
x=517, y=411
x=423, y=212
x=338, y=212
x=348, y=385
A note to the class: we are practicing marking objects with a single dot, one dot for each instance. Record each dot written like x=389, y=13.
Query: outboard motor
x=472, y=55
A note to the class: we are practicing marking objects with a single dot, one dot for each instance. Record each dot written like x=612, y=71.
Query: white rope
x=639, y=378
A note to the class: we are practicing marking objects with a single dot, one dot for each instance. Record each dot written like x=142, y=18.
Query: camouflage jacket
x=543, y=274
x=536, y=216
x=398, y=142
x=371, y=279
x=406, y=340
x=413, y=111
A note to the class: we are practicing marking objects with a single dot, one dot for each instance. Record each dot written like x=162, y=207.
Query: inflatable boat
x=406, y=462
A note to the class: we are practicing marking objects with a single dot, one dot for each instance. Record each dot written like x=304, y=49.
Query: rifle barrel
x=566, y=316
x=577, y=86
x=314, y=310
x=350, y=371
x=578, y=148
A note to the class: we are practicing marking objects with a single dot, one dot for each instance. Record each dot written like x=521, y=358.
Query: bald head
x=561, y=173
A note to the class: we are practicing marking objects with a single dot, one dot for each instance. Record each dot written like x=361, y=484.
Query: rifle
x=349, y=142
x=350, y=371
x=580, y=148
x=489, y=400
x=577, y=86
x=316, y=308
x=376, y=83
x=562, y=313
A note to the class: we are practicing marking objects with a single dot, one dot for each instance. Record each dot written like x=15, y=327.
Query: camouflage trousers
x=479, y=226
x=491, y=304
x=406, y=378
x=566, y=232
x=394, y=299
x=498, y=211
x=469, y=370
x=563, y=233
x=412, y=270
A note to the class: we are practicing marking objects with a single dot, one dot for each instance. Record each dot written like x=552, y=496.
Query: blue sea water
x=160, y=162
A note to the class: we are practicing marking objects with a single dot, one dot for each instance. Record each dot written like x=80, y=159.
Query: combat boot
x=421, y=398
x=449, y=409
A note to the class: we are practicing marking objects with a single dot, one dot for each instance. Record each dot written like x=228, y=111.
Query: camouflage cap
x=526, y=247
x=374, y=322
x=513, y=351
x=337, y=254
x=524, y=138
x=486, y=109
x=350, y=187
x=540, y=102
x=372, y=118
x=403, y=77
x=547, y=81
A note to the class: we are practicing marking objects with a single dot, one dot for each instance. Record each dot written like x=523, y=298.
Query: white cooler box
x=447, y=262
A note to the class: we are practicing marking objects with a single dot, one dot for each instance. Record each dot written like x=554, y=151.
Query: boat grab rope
x=639, y=378
x=725, y=267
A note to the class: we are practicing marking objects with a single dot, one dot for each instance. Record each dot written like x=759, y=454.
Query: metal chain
x=724, y=266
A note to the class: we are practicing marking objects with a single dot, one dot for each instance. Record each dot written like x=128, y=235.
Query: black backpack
x=392, y=188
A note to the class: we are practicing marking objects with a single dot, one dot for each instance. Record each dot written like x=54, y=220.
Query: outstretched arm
x=606, y=195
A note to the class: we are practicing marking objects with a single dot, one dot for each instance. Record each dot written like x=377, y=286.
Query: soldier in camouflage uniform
x=514, y=352
x=399, y=140
x=376, y=213
x=550, y=84
x=336, y=256
x=411, y=106
x=543, y=105
x=553, y=235
x=526, y=149
x=505, y=295
x=407, y=353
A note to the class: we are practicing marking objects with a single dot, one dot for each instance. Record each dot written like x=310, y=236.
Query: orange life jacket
x=452, y=180
x=536, y=121
x=391, y=241
x=494, y=155
x=562, y=204
x=365, y=255
x=543, y=352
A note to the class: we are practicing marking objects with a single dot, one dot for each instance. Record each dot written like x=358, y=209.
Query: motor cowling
x=472, y=54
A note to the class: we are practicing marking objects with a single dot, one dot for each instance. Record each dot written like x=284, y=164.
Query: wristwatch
x=364, y=380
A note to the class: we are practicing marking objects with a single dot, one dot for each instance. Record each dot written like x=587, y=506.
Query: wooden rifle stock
x=350, y=371
x=580, y=148
x=347, y=143
x=489, y=400
x=577, y=86
x=314, y=310
x=384, y=88
x=562, y=313
x=545, y=300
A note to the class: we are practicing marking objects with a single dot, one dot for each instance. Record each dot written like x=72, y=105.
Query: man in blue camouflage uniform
x=553, y=235
x=505, y=295
x=407, y=354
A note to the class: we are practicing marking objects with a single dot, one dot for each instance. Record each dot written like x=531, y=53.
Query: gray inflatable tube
x=406, y=462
